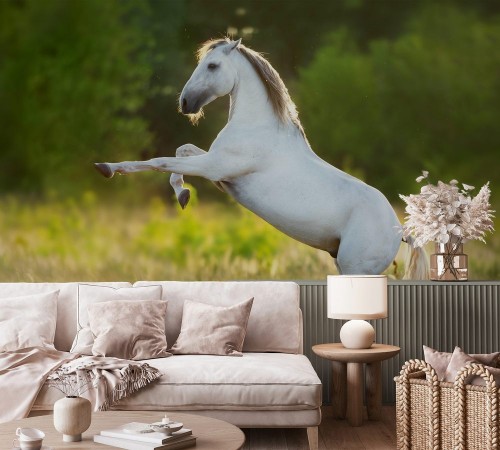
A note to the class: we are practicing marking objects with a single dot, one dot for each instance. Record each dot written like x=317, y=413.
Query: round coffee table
x=347, y=371
x=211, y=434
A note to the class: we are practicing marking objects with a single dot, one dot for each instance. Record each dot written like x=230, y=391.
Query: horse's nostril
x=184, y=105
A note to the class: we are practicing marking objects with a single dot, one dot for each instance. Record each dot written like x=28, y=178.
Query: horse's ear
x=232, y=46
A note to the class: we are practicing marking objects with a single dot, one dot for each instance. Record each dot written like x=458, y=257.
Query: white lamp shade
x=357, y=296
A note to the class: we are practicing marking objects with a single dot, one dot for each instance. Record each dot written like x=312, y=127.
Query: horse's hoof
x=104, y=169
x=184, y=197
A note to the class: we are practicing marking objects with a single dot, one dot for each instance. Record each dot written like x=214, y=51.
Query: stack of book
x=125, y=437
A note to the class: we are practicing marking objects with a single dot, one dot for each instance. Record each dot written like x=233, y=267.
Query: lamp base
x=357, y=334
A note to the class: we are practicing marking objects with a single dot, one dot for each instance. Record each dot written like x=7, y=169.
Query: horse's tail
x=417, y=263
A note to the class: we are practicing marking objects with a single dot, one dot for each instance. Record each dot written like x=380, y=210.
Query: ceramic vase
x=449, y=263
x=72, y=416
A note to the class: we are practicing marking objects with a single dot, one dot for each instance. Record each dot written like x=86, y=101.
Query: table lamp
x=356, y=298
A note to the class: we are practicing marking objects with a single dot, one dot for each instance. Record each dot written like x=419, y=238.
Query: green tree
x=169, y=70
x=429, y=99
x=72, y=78
x=289, y=31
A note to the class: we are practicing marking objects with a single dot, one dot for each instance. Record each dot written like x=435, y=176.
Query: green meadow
x=87, y=240
x=81, y=239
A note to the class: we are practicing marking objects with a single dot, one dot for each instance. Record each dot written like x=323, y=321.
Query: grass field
x=82, y=240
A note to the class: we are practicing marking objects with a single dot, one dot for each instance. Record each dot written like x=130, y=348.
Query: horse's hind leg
x=176, y=180
x=350, y=262
x=365, y=256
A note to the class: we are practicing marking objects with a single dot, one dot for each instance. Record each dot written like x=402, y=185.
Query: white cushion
x=256, y=381
x=212, y=330
x=66, y=305
x=274, y=323
x=266, y=381
x=28, y=321
x=89, y=294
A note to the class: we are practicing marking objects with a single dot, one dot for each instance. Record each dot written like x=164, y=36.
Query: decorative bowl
x=166, y=428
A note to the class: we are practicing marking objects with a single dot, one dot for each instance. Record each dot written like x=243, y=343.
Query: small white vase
x=72, y=416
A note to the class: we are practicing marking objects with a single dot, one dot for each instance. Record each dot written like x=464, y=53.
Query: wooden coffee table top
x=212, y=434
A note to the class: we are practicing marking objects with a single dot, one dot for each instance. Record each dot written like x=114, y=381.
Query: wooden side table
x=347, y=366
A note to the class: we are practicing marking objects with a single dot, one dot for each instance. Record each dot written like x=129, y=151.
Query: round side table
x=347, y=371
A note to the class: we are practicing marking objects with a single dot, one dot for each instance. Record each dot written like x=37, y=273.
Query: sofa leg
x=312, y=437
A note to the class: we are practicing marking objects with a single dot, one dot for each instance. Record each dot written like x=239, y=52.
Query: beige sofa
x=272, y=385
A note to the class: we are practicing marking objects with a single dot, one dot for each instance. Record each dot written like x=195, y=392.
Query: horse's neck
x=249, y=102
x=251, y=106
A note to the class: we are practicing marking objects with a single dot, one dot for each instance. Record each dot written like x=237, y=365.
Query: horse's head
x=214, y=77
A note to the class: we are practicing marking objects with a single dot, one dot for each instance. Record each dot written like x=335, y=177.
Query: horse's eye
x=212, y=66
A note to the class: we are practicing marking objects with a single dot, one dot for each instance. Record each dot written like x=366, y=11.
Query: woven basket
x=433, y=414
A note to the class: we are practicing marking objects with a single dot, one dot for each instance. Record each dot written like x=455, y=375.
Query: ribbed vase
x=449, y=262
x=72, y=416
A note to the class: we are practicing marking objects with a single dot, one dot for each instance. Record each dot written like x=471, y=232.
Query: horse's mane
x=282, y=104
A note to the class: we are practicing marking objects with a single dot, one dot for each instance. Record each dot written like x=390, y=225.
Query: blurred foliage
x=429, y=99
x=73, y=77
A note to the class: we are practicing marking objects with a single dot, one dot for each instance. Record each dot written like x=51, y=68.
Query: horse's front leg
x=206, y=165
x=177, y=180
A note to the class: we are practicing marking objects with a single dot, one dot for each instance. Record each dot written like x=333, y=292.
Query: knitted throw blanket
x=107, y=379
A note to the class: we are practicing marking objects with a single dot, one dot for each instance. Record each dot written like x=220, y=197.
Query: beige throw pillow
x=28, y=321
x=440, y=360
x=129, y=329
x=459, y=359
x=89, y=294
x=212, y=330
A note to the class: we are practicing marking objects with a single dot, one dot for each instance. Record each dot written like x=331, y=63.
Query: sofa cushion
x=256, y=381
x=66, y=305
x=129, y=329
x=460, y=359
x=274, y=324
x=89, y=294
x=28, y=321
x=212, y=330
x=441, y=360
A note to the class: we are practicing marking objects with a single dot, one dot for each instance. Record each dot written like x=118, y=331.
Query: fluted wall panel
x=439, y=315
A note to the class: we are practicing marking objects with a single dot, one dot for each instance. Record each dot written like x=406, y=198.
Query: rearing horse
x=263, y=160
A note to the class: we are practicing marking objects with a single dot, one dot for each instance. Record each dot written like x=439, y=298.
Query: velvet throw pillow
x=28, y=321
x=440, y=360
x=459, y=359
x=89, y=294
x=212, y=330
x=129, y=329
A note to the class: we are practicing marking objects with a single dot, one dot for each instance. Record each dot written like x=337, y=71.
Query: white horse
x=263, y=160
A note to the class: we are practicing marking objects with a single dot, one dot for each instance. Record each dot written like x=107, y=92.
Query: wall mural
x=384, y=91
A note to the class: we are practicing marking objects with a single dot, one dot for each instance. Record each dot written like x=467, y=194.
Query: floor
x=333, y=435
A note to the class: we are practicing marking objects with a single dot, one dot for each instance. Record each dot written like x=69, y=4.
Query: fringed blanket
x=108, y=380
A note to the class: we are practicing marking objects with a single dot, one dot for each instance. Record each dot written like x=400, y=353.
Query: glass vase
x=449, y=263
